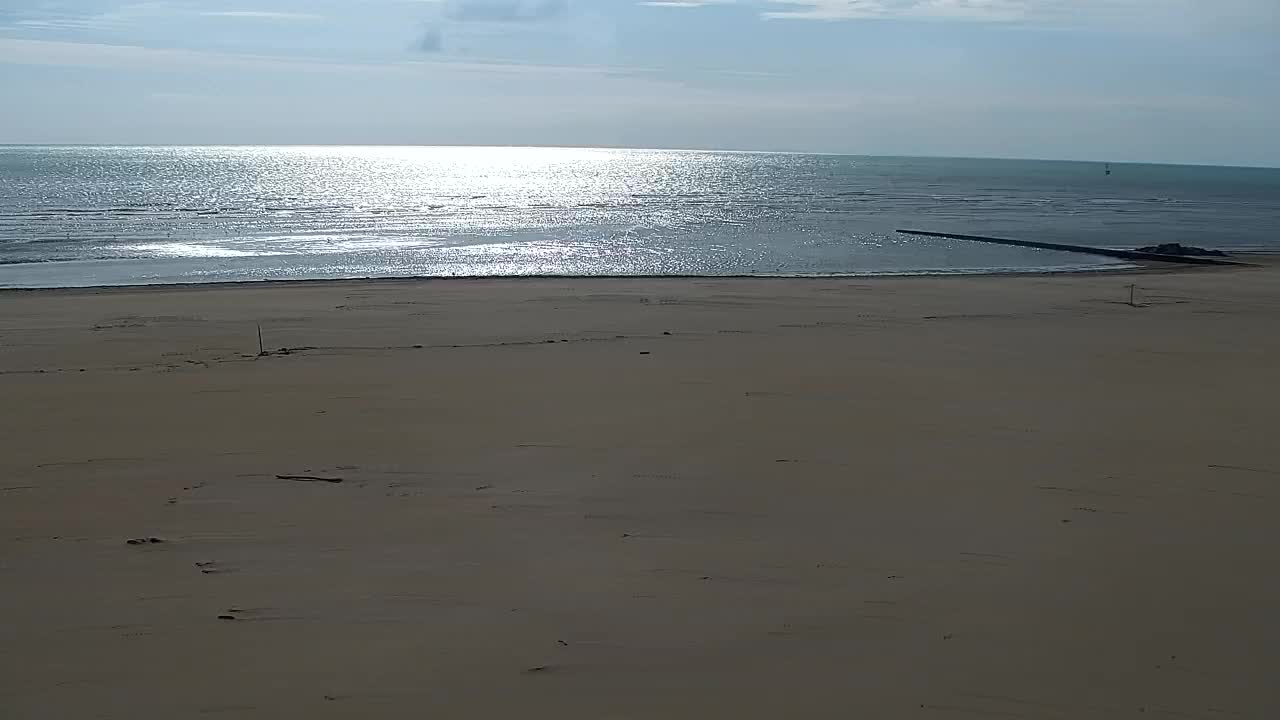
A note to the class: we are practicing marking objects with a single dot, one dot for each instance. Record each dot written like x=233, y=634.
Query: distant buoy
x=1108, y=169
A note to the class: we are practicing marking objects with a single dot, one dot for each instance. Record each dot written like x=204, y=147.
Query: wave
x=34, y=261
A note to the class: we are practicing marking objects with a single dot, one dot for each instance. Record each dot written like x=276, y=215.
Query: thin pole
x=261, y=350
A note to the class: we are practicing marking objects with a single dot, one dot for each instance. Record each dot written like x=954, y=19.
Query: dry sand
x=1006, y=497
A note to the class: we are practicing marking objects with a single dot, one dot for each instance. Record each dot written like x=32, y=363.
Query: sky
x=1181, y=81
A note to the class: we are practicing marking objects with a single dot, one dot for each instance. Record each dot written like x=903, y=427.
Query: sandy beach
x=931, y=497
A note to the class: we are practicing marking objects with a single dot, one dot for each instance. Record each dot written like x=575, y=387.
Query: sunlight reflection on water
x=79, y=215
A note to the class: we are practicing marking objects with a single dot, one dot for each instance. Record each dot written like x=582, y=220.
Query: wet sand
x=1007, y=497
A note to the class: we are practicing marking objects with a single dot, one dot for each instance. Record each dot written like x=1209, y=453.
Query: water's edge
x=1114, y=270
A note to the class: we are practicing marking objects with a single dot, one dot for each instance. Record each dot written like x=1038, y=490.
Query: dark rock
x=1179, y=249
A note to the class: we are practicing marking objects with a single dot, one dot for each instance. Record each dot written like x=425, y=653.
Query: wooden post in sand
x=1132, y=287
x=261, y=350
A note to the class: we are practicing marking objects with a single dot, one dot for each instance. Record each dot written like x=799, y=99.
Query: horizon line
x=641, y=149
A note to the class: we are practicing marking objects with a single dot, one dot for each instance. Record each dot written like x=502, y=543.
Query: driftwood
x=309, y=478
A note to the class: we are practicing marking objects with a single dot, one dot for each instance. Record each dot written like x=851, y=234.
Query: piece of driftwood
x=309, y=478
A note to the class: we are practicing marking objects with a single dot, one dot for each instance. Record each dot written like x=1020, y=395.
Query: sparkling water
x=73, y=216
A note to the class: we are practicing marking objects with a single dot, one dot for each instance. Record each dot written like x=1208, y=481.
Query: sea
x=85, y=216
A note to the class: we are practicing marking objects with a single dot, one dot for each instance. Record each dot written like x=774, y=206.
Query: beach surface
x=955, y=497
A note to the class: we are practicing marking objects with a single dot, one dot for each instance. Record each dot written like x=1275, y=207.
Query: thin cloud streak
x=261, y=15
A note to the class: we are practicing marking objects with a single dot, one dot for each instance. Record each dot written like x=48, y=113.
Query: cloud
x=486, y=12
x=57, y=53
x=685, y=3
x=1183, y=16
x=987, y=10
x=506, y=11
x=261, y=15
x=430, y=41
x=54, y=17
x=62, y=17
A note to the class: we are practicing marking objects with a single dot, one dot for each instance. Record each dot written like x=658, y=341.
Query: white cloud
x=685, y=3
x=53, y=17
x=1191, y=16
x=261, y=15
x=56, y=53
x=988, y=10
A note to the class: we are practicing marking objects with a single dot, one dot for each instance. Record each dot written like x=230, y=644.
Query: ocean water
x=74, y=216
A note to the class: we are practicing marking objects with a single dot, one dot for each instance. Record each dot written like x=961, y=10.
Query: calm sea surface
x=74, y=216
